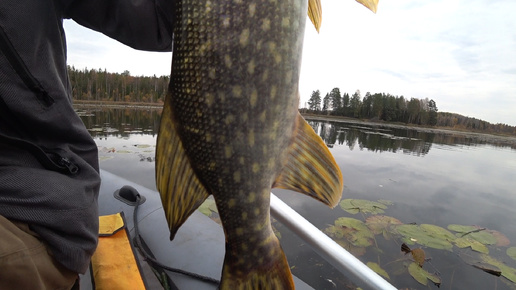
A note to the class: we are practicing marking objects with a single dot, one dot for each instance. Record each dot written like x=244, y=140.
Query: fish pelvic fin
x=315, y=13
x=310, y=167
x=270, y=271
x=180, y=190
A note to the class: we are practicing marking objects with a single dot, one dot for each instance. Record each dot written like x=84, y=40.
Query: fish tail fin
x=310, y=167
x=267, y=271
x=180, y=190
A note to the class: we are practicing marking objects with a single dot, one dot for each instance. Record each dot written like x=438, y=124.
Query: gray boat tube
x=328, y=249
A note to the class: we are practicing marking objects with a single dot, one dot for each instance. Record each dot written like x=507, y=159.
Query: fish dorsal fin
x=310, y=168
x=180, y=189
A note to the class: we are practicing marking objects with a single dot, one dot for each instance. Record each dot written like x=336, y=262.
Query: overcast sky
x=462, y=54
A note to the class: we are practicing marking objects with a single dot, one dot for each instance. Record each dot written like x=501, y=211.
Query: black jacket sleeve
x=140, y=24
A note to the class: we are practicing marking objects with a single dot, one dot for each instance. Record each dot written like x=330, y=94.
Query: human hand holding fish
x=231, y=128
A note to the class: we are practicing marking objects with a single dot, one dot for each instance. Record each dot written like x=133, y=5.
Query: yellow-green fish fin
x=370, y=4
x=315, y=13
x=180, y=189
x=271, y=275
x=310, y=168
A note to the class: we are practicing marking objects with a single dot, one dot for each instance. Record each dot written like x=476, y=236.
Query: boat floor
x=198, y=246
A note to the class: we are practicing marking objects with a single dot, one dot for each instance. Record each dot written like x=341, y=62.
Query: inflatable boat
x=198, y=246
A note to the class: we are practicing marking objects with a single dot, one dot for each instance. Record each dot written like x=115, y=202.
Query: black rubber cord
x=155, y=262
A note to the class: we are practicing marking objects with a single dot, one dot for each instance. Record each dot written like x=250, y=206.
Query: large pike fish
x=230, y=128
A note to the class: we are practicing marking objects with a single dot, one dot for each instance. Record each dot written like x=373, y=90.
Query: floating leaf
x=405, y=249
x=385, y=201
x=479, y=234
x=501, y=239
x=375, y=267
x=507, y=272
x=354, y=250
x=422, y=276
x=474, y=244
x=427, y=235
x=511, y=252
x=491, y=269
x=353, y=230
x=354, y=206
x=381, y=224
x=104, y=158
x=419, y=256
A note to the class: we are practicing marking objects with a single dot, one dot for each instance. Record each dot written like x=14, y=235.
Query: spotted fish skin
x=231, y=128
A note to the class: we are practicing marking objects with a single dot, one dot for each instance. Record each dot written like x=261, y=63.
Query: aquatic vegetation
x=375, y=267
x=354, y=206
x=472, y=244
x=422, y=276
x=511, y=252
x=427, y=235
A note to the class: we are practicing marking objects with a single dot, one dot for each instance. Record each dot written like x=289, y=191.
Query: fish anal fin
x=310, y=168
x=180, y=190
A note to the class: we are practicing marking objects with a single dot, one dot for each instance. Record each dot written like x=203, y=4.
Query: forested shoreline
x=100, y=86
x=398, y=109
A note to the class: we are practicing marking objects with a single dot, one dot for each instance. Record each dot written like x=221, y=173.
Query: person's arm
x=140, y=24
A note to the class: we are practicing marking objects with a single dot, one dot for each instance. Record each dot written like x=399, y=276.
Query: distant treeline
x=100, y=85
x=386, y=107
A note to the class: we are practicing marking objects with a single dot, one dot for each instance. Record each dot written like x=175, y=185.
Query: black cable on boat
x=156, y=262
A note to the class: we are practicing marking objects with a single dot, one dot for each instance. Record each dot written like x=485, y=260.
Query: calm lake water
x=428, y=183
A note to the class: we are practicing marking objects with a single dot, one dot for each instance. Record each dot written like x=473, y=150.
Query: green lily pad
x=104, y=158
x=381, y=224
x=473, y=244
x=511, y=252
x=354, y=250
x=422, y=276
x=427, y=235
x=385, y=201
x=479, y=234
x=507, y=272
x=354, y=206
x=352, y=230
x=375, y=267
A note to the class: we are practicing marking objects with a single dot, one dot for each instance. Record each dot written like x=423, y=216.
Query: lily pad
x=511, y=252
x=375, y=267
x=422, y=276
x=479, y=234
x=427, y=235
x=507, y=272
x=354, y=206
x=352, y=230
x=473, y=244
x=381, y=224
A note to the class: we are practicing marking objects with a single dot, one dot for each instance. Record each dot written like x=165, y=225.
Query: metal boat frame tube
x=326, y=247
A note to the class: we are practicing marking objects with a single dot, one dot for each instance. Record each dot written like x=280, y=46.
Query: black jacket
x=48, y=160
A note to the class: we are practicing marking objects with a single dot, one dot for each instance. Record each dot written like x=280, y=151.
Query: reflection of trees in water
x=374, y=139
x=406, y=140
x=121, y=122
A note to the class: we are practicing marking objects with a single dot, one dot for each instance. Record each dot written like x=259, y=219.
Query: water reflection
x=417, y=141
x=467, y=183
x=104, y=122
